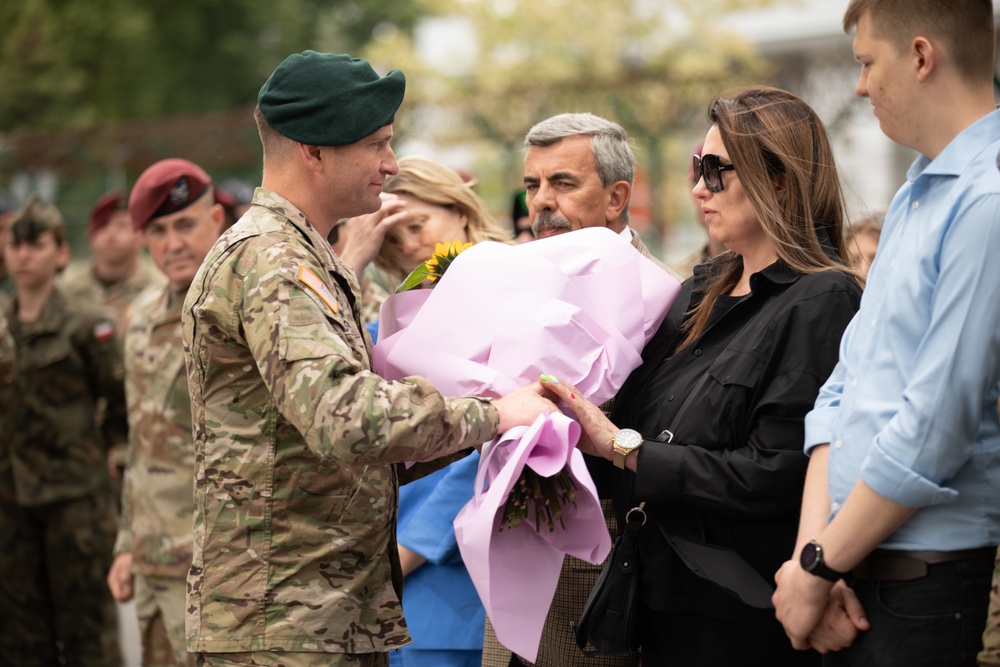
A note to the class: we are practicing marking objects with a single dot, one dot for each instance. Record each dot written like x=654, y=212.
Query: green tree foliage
x=82, y=63
x=651, y=66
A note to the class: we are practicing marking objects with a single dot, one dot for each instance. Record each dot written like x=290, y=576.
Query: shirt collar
x=960, y=151
x=280, y=205
x=49, y=319
x=776, y=273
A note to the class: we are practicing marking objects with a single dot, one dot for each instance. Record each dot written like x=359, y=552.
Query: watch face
x=628, y=439
x=809, y=556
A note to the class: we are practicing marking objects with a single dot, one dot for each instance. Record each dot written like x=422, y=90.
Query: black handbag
x=609, y=620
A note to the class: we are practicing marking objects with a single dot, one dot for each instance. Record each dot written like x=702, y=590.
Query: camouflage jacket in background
x=7, y=355
x=117, y=297
x=295, y=444
x=158, y=497
x=67, y=359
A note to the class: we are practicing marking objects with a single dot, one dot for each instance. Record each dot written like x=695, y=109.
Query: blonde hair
x=785, y=164
x=436, y=184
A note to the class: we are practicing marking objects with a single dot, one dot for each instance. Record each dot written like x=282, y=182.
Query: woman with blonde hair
x=440, y=207
x=433, y=204
x=708, y=432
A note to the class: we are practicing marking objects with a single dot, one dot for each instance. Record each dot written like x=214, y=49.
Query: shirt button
x=915, y=205
x=873, y=324
x=697, y=353
x=670, y=398
x=854, y=383
x=835, y=506
x=838, y=444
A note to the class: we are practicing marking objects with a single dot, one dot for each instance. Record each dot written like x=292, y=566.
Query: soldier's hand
x=523, y=405
x=120, y=577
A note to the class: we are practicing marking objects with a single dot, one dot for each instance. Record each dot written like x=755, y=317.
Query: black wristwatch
x=811, y=560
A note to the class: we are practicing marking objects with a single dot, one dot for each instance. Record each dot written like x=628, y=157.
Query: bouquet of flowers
x=580, y=306
x=539, y=496
x=433, y=268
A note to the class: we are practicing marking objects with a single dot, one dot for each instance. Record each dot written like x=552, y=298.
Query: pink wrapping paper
x=580, y=306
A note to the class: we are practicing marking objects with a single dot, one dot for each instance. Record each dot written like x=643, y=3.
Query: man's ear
x=618, y=198
x=311, y=156
x=924, y=57
x=218, y=217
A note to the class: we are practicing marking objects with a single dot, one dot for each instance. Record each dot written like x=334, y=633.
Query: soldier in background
x=297, y=442
x=117, y=273
x=6, y=284
x=8, y=357
x=174, y=207
x=57, y=521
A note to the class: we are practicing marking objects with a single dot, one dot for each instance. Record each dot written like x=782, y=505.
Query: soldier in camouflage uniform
x=117, y=275
x=8, y=357
x=57, y=522
x=296, y=440
x=173, y=205
x=6, y=284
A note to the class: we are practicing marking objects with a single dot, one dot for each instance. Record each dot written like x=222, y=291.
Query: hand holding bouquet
x=580, y=306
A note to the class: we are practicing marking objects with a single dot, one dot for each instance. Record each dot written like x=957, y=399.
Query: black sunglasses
x=710, y=169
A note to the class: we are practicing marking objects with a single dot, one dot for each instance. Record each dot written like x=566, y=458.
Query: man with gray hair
x=578, y=172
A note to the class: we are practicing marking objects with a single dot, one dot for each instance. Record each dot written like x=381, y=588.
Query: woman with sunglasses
x=708, y=431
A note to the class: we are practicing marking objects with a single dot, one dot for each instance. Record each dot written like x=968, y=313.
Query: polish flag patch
x=104, y=331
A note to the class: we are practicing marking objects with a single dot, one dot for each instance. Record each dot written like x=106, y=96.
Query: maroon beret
x=166, y=187
x=108, y=204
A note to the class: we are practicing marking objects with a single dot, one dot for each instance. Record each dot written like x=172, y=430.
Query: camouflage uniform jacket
x=67, y=360
x=295, y=445
x=116, y=298
x=7, y=351
x=157, y=501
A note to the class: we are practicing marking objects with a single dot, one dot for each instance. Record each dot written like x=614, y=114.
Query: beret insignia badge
x=180, y=192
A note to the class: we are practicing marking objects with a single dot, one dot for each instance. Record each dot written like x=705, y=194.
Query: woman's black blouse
x=725, y=493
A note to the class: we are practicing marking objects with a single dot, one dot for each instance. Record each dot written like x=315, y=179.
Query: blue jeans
x=933, y=621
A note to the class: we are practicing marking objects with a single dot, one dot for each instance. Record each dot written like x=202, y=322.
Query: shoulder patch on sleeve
x=313, y=282
x=104, y=331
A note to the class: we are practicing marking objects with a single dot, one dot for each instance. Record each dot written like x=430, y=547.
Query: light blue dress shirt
x=911, y=408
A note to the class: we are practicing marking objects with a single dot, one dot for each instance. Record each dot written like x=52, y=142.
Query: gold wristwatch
x=624, y=443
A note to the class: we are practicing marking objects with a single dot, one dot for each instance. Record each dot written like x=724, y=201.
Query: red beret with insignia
x=166, y=187
x=107, y=205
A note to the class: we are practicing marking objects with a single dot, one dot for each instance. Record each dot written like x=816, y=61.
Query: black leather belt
x=893, y=565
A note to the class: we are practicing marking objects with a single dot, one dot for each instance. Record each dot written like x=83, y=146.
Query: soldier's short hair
x=36, y=217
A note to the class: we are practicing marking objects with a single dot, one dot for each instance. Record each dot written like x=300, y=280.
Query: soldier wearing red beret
x=118, y=272
x=174, y=207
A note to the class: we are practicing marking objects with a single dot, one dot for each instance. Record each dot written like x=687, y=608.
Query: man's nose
x=544, y=199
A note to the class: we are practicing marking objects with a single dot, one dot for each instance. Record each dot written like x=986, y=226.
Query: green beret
x=327, y=99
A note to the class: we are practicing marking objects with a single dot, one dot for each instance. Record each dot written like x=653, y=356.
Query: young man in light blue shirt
x=903, y=490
